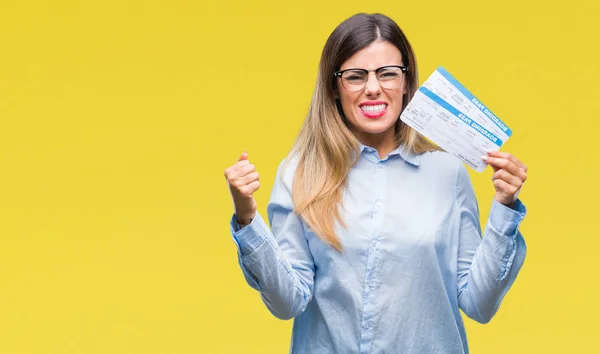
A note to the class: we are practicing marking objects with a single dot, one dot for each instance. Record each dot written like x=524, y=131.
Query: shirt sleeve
x=277, y=261
x=486, y=267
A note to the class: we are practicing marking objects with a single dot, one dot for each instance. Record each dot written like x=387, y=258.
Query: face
x=372, y=112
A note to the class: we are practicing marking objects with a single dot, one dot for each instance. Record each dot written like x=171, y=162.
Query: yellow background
x=118, y=118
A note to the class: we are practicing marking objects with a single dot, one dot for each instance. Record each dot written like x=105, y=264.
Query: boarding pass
x=445, y=112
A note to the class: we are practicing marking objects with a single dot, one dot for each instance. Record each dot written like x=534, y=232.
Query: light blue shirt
x=413, y=255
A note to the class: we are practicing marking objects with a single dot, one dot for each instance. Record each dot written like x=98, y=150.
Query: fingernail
x=484, y=158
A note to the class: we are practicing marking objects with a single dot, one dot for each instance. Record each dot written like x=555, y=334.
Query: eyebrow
x=383, y=66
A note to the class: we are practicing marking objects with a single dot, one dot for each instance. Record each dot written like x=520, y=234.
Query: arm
x=277, y=262
x=486, y=268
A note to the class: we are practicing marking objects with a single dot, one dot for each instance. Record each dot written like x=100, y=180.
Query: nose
x=372, y=88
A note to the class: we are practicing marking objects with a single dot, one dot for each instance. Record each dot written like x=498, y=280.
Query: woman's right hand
x=243, y=182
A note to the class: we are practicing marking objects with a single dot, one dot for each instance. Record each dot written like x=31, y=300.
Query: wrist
x=245, y=218
x=511, y=204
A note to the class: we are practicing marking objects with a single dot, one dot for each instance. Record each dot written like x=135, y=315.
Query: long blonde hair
x=325, y=146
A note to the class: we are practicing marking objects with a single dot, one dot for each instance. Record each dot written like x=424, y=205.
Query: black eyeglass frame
x=339, y=73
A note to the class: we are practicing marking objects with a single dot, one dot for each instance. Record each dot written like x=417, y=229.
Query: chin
x=375, y=126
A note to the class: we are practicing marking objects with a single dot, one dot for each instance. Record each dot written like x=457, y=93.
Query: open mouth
x=373, y=110
x=377, y=108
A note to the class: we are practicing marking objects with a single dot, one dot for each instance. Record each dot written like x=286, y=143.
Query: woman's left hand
x=509, y=175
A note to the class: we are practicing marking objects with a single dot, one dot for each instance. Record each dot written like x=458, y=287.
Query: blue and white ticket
x=444, y=111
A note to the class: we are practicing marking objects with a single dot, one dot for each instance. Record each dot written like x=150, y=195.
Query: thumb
x=244, y=156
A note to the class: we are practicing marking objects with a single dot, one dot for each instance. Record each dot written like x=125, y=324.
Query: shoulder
x=284, y=177
x=286, y=170
x=442, y=164
x=445, y=169
x=453, y=171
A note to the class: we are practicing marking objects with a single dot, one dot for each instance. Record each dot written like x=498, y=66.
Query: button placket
x=373, y=258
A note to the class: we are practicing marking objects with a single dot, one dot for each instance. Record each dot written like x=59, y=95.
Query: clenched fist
x=243, y=182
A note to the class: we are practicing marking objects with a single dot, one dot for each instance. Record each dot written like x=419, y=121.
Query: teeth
x=376, y=108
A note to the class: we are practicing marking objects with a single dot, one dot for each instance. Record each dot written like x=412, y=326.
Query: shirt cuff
x=505, y=219
x=251, y=236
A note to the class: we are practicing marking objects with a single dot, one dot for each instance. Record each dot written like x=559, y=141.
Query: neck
x=384, y=142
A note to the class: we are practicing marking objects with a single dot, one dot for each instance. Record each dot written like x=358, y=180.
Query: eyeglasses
x=389, y=77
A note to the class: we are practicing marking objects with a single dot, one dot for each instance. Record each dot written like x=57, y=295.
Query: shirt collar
x=402, y=150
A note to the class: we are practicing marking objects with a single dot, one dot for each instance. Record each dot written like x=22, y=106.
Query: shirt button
x=368, y=324
x=378, y=204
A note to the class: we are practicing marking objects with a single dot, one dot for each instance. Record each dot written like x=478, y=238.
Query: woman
x=375, y=243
